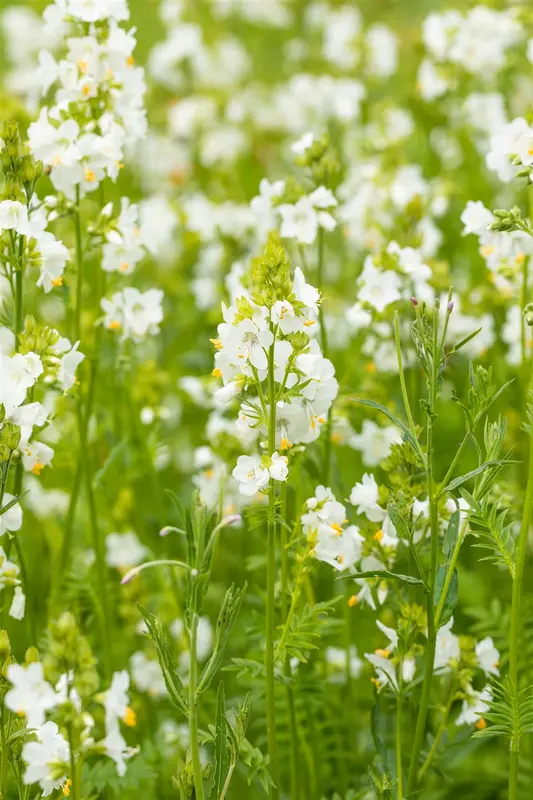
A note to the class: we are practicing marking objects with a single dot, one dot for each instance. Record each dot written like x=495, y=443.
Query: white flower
x=36, y=456
x=447, y=648
x=379, y=288
x=68, y=365
x=124, y=550
x=476, y=218
x=488, y=656
x=374, y=442
x=115, y=747
x=251, y=475
x=341, y=663
x=13, y=216
x=278, y=468
x=53, y=256
x=304, y=143
x=133, y=313
x=31, y=696
x=116, y=699
x=391, y=635
x=46, y=759
x=147, y=675
x=10, y=520
x=385, y=670
x=364, y=496
x=474, y=706
x=18, y=604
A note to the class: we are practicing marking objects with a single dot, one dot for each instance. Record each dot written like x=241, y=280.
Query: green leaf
x=222, y=757
x=452, y=595
x=226, y=619
x=451, y=535
x=407, y=435
x=173, y=682
x=386, y=574
x=472, y=474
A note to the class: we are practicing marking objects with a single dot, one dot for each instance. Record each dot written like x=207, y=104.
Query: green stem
x=436, y=741
x=4, y=753
x=399, y=769
x=429, y=660
x=516, y=606
x=449, y=574
x=291, y=703
x=79, y=268
x=193, y=712
x=99, y=548
x=271, y=584
x=402, y=375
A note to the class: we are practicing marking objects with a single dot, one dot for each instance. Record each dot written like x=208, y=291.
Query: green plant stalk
x=429, y=660
x=293, y=723
x=271, y=585
x=399, y=759
x=325, y=349
x=4, y=753
x=516, y=603
x=99, y=550
x=79, y=268
x=193, y=711
x=436, y=741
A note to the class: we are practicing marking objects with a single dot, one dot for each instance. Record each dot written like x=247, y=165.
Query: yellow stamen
x=82, y=65
x=20, y=713
x=382, y=653
x=120, y=165
x=130, y=717
x=309, y=322
x=57, y=281
x=353, y=601
x=217, y=372
x=114, y=325
x=89, y=175
x=321, y=420
x=530, y=151
x=487, y=250
x=57, y=161
x=37, y=468
x=520, y=258
x=340, y=559
x=378, y=536
x=481, y=724
x=209, y=474
x=376, y=683
x=336, y=437
x=370, y=368
x=130, y=61
x=124, y=266
x=86, y=90
x=66, y=788
x=336, y=527
x=217, y=343
x=284, y=443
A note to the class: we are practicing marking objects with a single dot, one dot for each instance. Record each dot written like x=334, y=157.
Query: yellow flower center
x=124, y=266
x=217, y=372
x=114, y=325
x=378, y=536
x=89, y=175
x=130, y=717
x=382, y=653
x=217, y=344
x=37, y=468
x=66, y=788
x=57, y=281
x=481, y=724
x=353, y=601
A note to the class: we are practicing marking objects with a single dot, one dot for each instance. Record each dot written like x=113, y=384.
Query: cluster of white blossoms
x=96, y=96
x=267, y=359
x=476, y=42
x=47, y=757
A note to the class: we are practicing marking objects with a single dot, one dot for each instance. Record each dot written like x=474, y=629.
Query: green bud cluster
x=322, y=161
x=528, y=314
x=9, y=438
x=68, y=650
x=36, y=338
x=508, y=220
x=271, y=274
x=17, y=165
